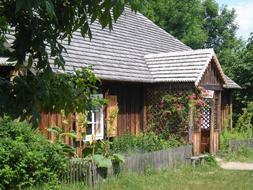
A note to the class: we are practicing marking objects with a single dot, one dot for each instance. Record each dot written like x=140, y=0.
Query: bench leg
x=202, y=161
x=193, y=163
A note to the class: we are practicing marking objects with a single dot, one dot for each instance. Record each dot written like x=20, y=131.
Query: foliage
x=242, y=73
x=243, y=154
x=40, y=26
x=245, y=121
x=59, y=135
x=143, y=142
x=211, y=161
x=28, y=96
x=26, y=157
x=100, y=153
x=243, y=130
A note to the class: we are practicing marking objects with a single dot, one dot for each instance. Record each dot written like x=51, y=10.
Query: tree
x=39, y=26
x=242, y=73
x=183, y=19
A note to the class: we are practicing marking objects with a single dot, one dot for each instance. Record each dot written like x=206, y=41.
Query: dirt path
x=234, y=165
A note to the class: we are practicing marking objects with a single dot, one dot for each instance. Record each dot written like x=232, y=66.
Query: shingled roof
x=119, y=55
x=184, y=66
x=230, y=84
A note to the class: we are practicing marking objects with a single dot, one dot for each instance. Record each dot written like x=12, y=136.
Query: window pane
x=89, y=117
x=89, y=129
x=97, y=124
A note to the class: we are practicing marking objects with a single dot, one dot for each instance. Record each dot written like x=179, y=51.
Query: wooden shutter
x=80, y=129
x=111, y=116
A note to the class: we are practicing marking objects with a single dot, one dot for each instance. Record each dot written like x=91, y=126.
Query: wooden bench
x=201, y=158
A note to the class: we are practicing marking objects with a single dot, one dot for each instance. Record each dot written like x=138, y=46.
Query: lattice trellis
x=206, y=115
x=154, y=96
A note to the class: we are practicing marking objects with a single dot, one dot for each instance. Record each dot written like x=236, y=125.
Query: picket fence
x=81, y=172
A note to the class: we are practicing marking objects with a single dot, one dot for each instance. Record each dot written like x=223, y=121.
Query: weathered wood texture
x=130, y=100
x=158, y=160
x=226, y=109
x=111, y=116
x=211, y=79
x=67, y=124
x=79, y=171
x=237, y=144
x=196, y=142
x=53, y=119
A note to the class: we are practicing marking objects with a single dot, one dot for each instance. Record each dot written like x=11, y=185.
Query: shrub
x=242, y=130
x=143, y=142
x=245, y=121
x=26, y=157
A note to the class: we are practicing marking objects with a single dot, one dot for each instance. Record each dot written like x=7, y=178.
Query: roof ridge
x=186, y=52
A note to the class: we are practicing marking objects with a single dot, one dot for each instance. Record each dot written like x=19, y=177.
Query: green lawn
x=200, y=178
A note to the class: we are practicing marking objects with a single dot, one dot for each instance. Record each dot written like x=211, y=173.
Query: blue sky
x=244, y=11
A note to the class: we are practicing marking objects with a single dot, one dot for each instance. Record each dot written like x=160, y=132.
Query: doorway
x=206, y=123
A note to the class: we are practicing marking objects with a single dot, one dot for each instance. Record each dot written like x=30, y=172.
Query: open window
x=95, y=125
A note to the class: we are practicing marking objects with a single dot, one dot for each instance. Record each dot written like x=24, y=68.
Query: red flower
x=161, y=104
x=179, y=108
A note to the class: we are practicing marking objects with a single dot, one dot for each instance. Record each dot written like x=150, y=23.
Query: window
x=95, y=124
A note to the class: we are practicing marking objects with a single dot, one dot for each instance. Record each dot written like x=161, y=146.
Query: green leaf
x=102, y=162
x=118, y=158
x=55, y=130
x=70, y=135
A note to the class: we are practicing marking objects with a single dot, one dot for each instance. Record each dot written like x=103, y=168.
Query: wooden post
x=230, y=110
x=190, y=123
x=211, y=148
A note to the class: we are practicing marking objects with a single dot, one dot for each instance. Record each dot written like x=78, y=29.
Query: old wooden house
x=136, y=60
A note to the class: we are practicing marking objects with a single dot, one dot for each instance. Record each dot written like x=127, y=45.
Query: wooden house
x=135, y=61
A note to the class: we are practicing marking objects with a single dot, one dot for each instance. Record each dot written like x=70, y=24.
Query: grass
x=244, y=154
x=207, y=178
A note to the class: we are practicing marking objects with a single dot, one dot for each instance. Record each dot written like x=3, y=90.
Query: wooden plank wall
x=211, y=77
x=196, y=142
x=130, y=100
x=226, y=109
x=55, y=119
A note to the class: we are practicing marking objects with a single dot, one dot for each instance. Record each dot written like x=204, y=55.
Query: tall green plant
x=27, y=158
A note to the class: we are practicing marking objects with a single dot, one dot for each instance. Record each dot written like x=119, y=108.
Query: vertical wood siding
x=226, y=109
x=130, y=99
x=55, y=119
x=211, y=77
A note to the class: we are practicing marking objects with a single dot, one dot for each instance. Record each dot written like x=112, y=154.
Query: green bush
x=26, y=157
x=143, y=142
x=242, y=130
x=245, y=121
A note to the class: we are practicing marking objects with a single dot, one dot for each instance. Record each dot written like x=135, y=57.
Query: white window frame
x=93, y=123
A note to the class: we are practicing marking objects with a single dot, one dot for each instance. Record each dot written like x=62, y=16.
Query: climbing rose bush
x=173, y=115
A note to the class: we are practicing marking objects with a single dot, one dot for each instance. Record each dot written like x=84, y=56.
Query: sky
x=244, y=11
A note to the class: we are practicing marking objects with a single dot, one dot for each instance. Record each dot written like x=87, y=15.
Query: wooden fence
x=88, y=173
x=236, y=144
